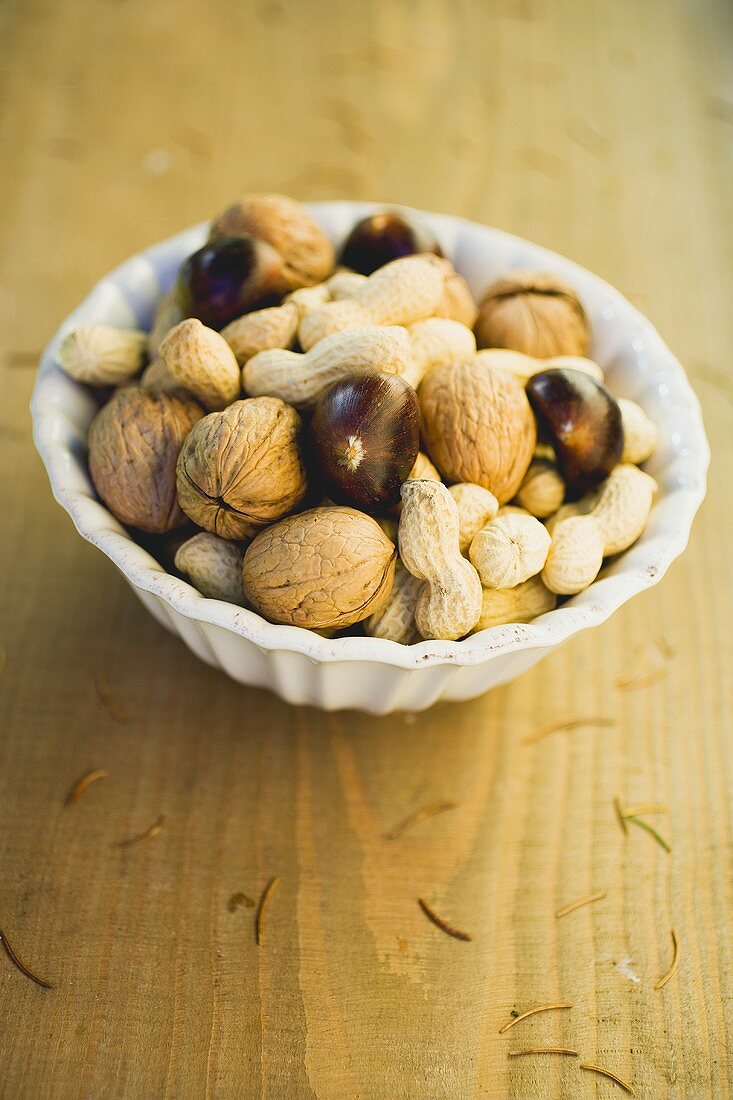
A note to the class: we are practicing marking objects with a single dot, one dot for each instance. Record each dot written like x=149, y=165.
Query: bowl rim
x=142, y=571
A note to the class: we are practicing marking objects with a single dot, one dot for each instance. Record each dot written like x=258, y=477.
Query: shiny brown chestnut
x=228, y=277
x=582, y=421
x=379, y=238
x=364, y=437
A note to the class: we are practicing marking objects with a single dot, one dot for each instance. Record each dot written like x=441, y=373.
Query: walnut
x=535, y=313
x=328, y=567
x=240, y=469
x=478, y=426
x=134, y=442
x=284, y=223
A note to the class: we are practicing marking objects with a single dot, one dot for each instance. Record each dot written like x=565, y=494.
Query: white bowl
x=369, y=673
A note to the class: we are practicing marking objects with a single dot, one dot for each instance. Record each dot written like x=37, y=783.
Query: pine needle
x=530, y=1012
x=81, y=785
x=442, y=924
x=262, y=908
x=612, y=1076
x=543, y=1050
x=673, y=965
x=149, y=833
x=565, y=724
x=651, y=830
x=20, y=965
x=422, y=814
x=580, y=903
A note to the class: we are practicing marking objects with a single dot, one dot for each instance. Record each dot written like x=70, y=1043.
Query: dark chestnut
x=379, y=238
x=229, y=277
x=582, y=421
x=365, y=435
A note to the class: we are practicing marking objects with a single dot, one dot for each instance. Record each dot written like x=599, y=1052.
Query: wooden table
x=604, y=133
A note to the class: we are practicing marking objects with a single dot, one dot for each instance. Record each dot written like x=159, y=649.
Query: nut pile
x=353, y=440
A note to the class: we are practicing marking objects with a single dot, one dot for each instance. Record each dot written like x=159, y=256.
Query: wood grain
x=604, y=135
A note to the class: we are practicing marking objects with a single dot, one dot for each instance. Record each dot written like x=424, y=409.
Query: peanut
x=399, y=293
x=575, y=557
x=202, y=361
x=168, y=314
x=520, y=604
x=622, y=507
x=156, y=378
x=449, y=603
x=214, y=566
x=509, y=550
x=523, y=367
x=423, y=469
x=101, y=355
x=476, y=507
x=542, y=490
x=640, y=433
x=437, y=340
x=274, y=327
x=299, y=379
x=457, y=303
x=395, y=621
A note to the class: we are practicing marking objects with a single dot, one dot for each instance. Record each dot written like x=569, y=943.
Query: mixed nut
x=363, y=443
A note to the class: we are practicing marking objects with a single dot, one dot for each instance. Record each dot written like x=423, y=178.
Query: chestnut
x=228, y=277
x=364, y=439
x=582, y=421
x=379, y=238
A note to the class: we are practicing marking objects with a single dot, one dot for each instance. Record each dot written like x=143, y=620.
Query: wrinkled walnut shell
x=478, y=426
x=134, y=442
x=241, y=469
x=328, y=567
x=535, y=313
x=306, y=251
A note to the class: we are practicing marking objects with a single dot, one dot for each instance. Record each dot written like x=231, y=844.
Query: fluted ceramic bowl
x=369, y=673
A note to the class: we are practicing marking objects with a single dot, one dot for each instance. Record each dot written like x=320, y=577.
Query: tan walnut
x=327, y=567
x=241, y=469
x=134, y=441
x=533, y=312
x=306, y=252
x=478, y=426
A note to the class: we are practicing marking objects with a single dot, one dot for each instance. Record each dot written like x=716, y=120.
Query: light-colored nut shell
x=395, y=620
x=241, y=469
x=457, y=302
x=101, y=355
x=478, y=426
x=328, y=567
x=423, y=469
x=306, y=251
x=515, y=605
x=574, y=508
x=524, y=367
x=214, y=566
x=274, y=327
x=134, y=442
x=156, y=378
x=509, y=550
x=345, y=284
x=575, y=557
x=308, y=298
x=476, y=507
x=437, y=341
x=640, y=433
x=450, y=602
x=543, y=490
x=203, y=362
x=300, y=378
x=399, y=293
x=622, y=506
x=168, y=314
x=534, y=312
